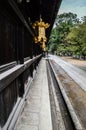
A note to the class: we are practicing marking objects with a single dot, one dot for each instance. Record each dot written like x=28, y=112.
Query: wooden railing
x=13, y=86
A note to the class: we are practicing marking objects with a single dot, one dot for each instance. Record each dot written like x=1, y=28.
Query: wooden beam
x=7, y=77
x=20, y=15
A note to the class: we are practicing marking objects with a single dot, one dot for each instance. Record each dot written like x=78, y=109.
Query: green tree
x=69, y=35
x=77, y=38
x=64, y=23
x=68, y=18
x=84, y=19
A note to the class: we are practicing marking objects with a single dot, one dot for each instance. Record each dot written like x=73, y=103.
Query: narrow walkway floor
x=37, y=112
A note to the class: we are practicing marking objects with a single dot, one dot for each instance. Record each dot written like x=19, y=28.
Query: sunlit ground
x=79, y=63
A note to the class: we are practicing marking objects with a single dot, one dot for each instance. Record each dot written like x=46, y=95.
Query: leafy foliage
x=69, y=35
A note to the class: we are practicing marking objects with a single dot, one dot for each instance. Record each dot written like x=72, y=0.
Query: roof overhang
x=32, y=9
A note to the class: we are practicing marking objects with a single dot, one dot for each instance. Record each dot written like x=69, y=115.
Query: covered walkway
x=23, y=39
x=37, y=112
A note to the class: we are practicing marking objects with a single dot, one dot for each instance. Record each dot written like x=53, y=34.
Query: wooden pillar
x=20, y=44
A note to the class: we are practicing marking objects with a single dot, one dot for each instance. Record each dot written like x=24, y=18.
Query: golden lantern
x=40, y=36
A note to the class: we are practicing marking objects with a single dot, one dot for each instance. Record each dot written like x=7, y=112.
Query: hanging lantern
x=40, y=36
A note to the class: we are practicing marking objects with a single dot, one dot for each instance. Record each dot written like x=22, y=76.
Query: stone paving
x=74, y=91
x=37, y=112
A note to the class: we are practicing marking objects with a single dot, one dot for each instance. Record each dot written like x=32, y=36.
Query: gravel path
x=79, y=63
